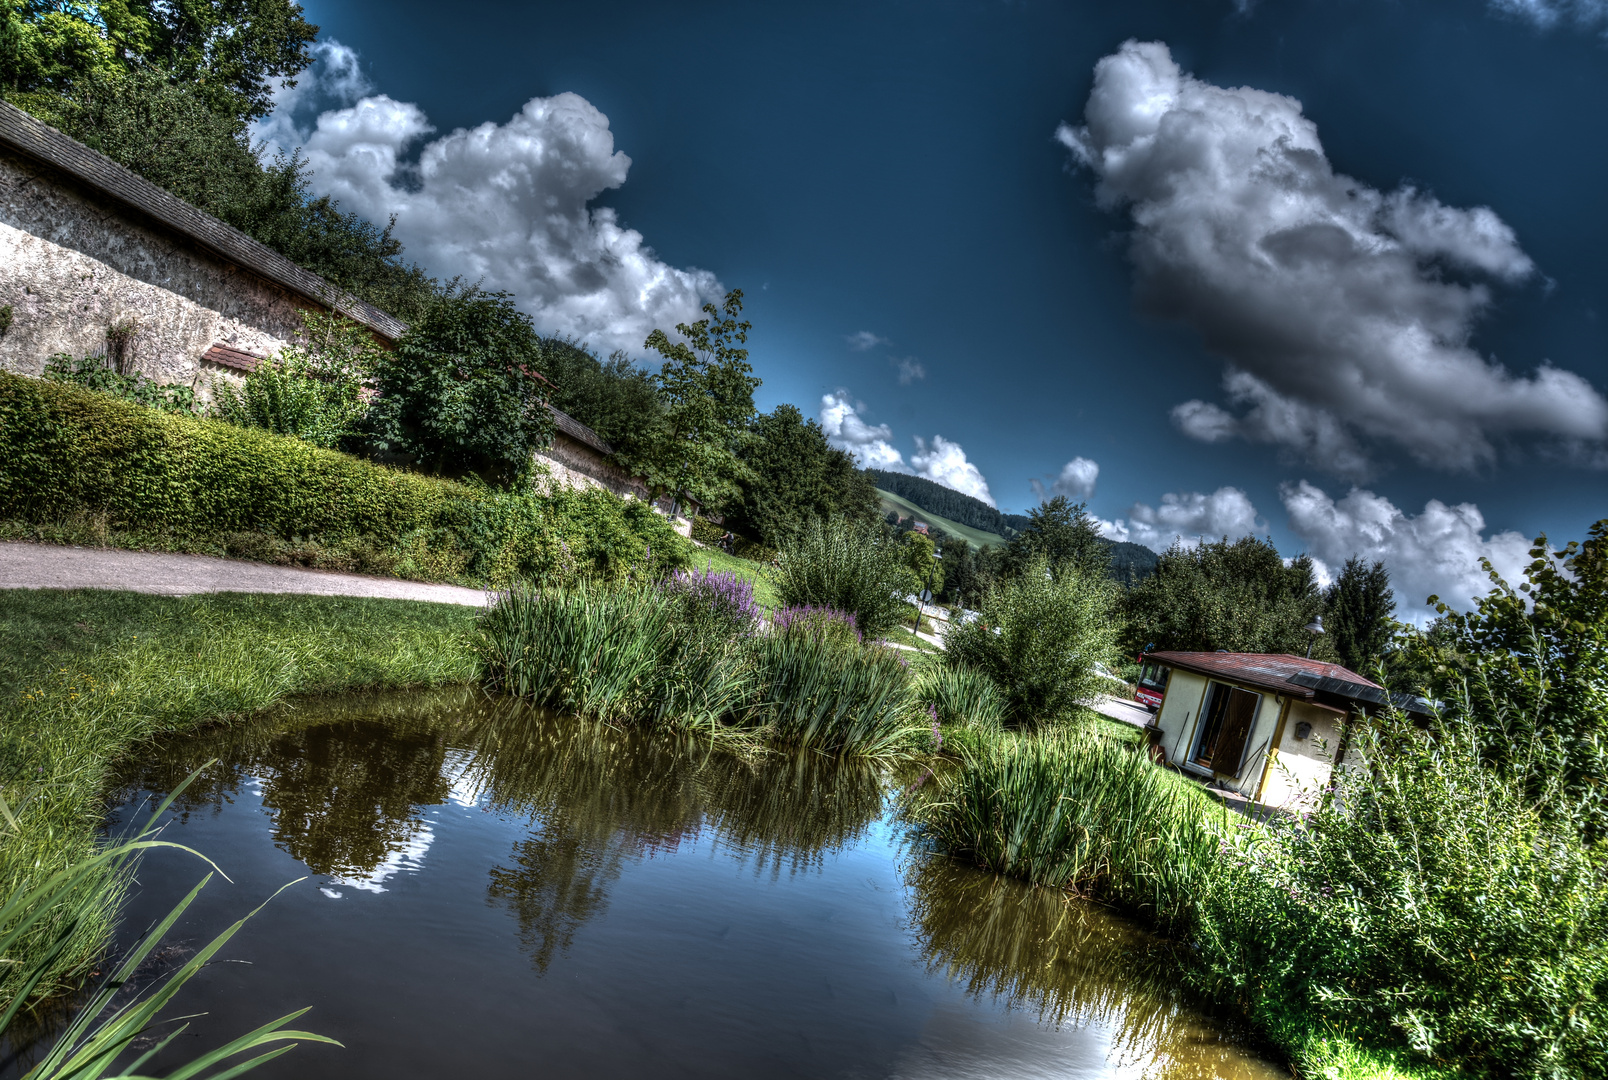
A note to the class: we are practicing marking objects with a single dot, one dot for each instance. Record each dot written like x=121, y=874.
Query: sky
x=1327, y=271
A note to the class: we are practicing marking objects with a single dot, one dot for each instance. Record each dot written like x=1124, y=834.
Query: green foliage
x=98, y=374
x=6, y=317
x=73, y=452
x=797, y=476
x=847, y=565
x=1039, y=638
x=234, y=52
x=614, y=398
x=944, y=501
x=1426, y=905
x=1063, y=535
x=1529, y=668
x=1239, y=597
x=960, y=696
x=460, y=395
x=818, y=695
x=1356, y=614
x=313, y=389
x=918, y=552
x=707, y=387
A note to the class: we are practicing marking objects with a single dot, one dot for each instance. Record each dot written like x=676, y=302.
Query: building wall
x=1178, y=712
x=574, y=464
x=1180, y=715
x=71, y=266
x=1302, y=766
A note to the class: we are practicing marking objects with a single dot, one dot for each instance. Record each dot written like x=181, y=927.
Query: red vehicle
x=1152, y=684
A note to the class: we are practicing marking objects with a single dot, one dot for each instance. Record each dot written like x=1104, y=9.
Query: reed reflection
x=1068, y=962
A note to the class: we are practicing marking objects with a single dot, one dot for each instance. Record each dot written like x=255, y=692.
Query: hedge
x=139, y=477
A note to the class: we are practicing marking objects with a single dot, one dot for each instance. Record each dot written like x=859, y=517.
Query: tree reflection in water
x=1066, y=961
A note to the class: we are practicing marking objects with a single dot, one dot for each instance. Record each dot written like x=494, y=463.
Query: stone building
x=93, y=259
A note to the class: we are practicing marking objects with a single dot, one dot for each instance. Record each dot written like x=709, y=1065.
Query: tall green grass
x=961, y=696
x=1071, y=809
x=105, y=671
x=824, y=696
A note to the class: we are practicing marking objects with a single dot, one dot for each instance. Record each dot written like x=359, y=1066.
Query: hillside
x=977, y=538
x=934, y=498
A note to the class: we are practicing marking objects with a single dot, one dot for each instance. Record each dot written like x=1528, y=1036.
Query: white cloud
x=503, y=204
x=1436, y=552
x=1075, y=482
x=865, y=341
x=945, y=462
x=1546, y=14
x=910, y=369
x=940, y=460
x=1190, y=517
x=1344, y=312
x=871, y=446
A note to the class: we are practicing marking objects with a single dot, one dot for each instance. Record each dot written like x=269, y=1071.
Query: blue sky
x=890, y=175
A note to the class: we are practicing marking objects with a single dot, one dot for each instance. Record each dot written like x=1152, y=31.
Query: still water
x=494, y=891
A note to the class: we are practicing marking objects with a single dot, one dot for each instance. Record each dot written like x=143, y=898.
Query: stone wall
x=73, y=265
x=577, y=465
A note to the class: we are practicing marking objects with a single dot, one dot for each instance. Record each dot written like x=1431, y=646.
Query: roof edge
x=32, y=137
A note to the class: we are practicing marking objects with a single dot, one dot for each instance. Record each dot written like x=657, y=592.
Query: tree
x=233, y=52
x=1063, y=534
x=461, y=394
x=615, y=398
x=1239, y=597
x=797, y=475
x=707, y=387
x=918, y=552
x=1039, y=638
x=1356, y=614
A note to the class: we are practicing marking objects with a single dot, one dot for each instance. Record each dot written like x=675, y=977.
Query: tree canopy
x=797, y=475
x=1356, y=614
x=1237, y=596
x=1064, y=536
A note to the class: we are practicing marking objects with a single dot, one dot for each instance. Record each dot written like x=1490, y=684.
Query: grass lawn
x=87, y=674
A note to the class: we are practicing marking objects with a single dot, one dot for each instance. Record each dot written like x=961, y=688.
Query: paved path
x=51, y=566
x=1128, y=712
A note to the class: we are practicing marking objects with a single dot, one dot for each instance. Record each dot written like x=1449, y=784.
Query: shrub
x=712, y=601
x=959, y=695
x=847, y=565
x=181, y=481
x=1039, y=637
x=312, y=390
x=99, y=374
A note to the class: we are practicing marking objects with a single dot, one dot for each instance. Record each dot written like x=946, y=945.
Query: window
x=1153, y=676
x=1225, y=727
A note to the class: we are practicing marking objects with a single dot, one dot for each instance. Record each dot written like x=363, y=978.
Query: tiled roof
x=578, y=431
x=26, y=135
x=1268, y=671
x=231, y=358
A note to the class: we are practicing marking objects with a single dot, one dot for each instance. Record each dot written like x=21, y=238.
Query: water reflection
x=1067, y=962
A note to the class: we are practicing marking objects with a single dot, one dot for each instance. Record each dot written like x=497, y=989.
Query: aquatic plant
x=815, y=694
x=719, y=599
x=818, y=621
x=961, y=695
x=849, y=566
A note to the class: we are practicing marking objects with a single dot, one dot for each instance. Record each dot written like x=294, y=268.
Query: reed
x=961, y=696
x=1070, y=809
x=815, y=693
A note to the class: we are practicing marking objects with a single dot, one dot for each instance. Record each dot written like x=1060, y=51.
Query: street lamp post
x=926, y=589
x=1315, y=627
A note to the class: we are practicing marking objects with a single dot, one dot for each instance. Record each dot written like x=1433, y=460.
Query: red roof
x=1266, y=671
x=230, y=357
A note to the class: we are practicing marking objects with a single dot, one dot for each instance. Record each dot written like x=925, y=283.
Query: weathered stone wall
x=575, y=464
x=72, y=266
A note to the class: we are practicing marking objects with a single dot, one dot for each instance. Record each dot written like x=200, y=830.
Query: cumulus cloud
x=865, y=341
x=1436, y=552
x=1344, y=312
x=1075, y=482
x=507, y=205
x=1189, y=517
x=939, y=460
x=945, y=462
x=910, y=369
x=1546, y=14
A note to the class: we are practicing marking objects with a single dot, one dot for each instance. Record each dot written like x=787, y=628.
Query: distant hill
x=981, y=525
x=937, y=499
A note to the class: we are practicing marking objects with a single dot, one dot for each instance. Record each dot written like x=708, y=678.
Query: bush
x=312, y=390
x=817, y=695
x=847, y=565
x=818, y=623
x=1039, y=638
x=179, y=481
x=100, y=374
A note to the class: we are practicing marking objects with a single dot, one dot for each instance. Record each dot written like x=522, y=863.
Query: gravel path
x=50, y=566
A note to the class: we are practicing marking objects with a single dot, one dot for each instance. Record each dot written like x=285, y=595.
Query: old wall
x=575, y=464
x=1303, y=766
x=73, y=265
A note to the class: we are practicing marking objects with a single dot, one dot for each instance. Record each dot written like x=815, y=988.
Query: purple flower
x=816, y=621
x=724, y=595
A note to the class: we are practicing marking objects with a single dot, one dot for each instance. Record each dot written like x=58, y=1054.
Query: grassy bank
x=87, y=674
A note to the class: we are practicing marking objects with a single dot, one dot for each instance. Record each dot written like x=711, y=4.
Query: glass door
x=1225, y=728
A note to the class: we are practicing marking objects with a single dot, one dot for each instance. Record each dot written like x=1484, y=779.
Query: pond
x=492, y=890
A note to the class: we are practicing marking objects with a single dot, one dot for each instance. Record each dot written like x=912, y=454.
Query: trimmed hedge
x=69, y=455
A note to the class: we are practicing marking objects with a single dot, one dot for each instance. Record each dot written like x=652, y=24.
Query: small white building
x=1267, y=726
